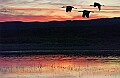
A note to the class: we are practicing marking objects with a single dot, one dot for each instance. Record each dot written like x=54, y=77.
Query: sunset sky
x=49, y=10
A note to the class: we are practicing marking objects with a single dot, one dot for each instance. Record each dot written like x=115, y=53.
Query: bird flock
x=86, y=13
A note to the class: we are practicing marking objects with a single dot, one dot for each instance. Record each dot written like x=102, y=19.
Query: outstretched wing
x=99, y=7
x=87, y=15
x=83, y=14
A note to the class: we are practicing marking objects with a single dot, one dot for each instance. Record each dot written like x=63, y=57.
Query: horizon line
x=59, y=20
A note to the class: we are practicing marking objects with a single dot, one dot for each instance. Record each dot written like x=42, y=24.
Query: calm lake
x=59, y=66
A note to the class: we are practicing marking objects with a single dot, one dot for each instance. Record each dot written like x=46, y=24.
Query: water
x=59, y=66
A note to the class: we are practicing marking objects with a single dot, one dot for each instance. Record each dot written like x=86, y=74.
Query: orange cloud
x=45, y=14
x=53, y=17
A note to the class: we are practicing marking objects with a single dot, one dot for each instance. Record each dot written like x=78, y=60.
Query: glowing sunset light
x=49, y=10
x=59, y=65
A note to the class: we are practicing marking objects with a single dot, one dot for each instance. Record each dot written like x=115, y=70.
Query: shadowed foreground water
x=59, y=66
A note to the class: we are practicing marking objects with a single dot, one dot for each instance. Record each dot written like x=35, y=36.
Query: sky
x=50, y=10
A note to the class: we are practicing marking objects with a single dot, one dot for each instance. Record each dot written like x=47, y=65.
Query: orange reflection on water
x=59, y=65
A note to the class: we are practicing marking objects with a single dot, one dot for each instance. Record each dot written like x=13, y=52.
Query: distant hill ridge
x=26, y=25
x=78, y=34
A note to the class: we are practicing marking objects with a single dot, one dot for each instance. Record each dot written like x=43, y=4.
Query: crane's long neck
x=91, y=5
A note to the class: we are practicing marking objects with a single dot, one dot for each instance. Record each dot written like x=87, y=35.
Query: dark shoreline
x=63, y=52
x=97, y=34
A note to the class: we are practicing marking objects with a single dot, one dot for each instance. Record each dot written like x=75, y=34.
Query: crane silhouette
x=86, y=13
x=97, y=5
x=69, y=8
